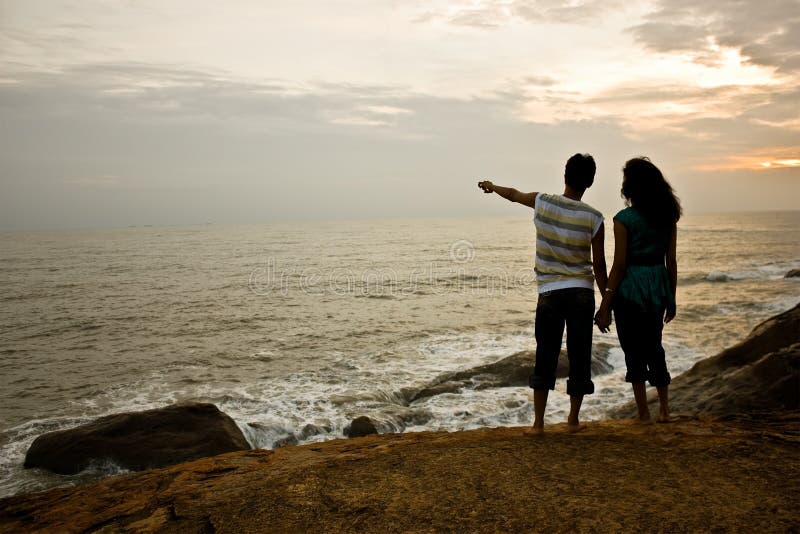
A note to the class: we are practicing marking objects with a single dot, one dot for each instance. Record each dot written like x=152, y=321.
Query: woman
x=643, y=278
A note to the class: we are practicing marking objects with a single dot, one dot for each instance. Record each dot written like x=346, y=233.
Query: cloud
x=492, y=14
x=765, y=159
x=358, y=121
x=376, y=115
x=482, y=16
x=654, y=105
x=788, y=124
x=242, y=151
x=765, y=33
x=559, y=12
x=387, y=110
x=225, y=149
x=540, y=81
x=138, y=92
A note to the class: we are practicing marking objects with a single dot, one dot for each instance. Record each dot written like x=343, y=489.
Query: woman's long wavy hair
x=646, y=189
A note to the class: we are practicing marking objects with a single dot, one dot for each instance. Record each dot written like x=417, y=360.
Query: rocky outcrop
x=139, y=440
x=762, y=373
x=512, y=371
x=690, y=476
x=361, y=426
x=794, y=273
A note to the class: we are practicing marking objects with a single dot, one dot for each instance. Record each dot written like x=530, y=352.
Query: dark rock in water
x=512, y=371
x=285, y=441
x=762, y=373
x=450, y=386
x=312, y=430
x=794, y=273
x=361, y=426
x=139, y=440
x=292, y=438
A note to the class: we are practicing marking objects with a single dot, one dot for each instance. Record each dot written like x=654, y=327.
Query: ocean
x=294, y=329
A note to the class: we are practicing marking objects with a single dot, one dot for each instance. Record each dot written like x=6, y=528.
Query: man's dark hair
x=579, y=172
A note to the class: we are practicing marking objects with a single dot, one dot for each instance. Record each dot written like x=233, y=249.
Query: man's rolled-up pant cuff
x=580, y=387
x=660, y=381
x=635, y=378
x=540, y=382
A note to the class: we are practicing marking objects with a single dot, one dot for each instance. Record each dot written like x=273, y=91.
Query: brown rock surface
x=693, y=475
x=139, y=440
x=762, y=373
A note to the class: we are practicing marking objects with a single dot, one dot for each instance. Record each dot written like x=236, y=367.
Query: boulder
x=761, y=373
x=512, y=371
x=285, y=441
x=139, y=440
x=312, y=430
x=361, y=426
x=794, y=273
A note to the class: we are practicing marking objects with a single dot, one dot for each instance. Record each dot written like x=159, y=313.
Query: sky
x=122, y=112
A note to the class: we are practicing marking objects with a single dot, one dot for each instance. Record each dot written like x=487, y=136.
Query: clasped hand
x=603, y=320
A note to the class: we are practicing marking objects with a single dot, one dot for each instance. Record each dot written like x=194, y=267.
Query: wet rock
x=512, y=371
x=361, y=426
x=258, y=425
x=794, y=273
x=449, y=386
x=762, y=373
x=285, y=441
x=139, y=440
x=312, y=430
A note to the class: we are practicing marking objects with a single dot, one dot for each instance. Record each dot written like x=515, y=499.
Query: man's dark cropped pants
x=574, y=308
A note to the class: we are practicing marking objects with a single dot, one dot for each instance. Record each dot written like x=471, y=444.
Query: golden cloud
x=763, y=160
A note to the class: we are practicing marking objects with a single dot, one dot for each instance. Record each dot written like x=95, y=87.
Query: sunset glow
x=755, y=162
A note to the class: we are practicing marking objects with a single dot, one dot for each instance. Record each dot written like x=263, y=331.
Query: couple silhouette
x=570, y=260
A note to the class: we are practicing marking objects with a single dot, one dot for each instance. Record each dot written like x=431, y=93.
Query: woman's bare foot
x=642, y=420
x=663, y=417
x=577, y=427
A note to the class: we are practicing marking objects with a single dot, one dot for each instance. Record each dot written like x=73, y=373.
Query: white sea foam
x=769, y=272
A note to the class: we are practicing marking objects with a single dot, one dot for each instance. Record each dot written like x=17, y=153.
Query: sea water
x=294, y=329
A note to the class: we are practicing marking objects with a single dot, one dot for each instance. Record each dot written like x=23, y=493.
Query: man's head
x=579, y=172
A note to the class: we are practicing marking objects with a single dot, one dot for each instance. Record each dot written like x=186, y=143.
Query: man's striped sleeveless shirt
x=564, y=231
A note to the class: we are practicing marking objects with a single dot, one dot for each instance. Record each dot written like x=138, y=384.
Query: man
x=569, y=246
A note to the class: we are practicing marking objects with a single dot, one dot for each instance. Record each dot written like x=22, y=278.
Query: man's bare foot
x=664, y=418
x=574, y=428
x=534, y=431
x=642, y=420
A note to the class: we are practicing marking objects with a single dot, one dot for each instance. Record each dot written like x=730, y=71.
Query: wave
x=380, y=296
x=762, y=272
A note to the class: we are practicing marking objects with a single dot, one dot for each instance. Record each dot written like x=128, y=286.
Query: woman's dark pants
x=639, y=333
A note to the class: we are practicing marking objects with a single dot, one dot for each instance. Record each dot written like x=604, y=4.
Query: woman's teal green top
x=646, y=280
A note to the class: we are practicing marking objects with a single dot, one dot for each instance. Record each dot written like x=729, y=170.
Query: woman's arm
x=603, y=316
x=599, y=258
x=509, y=193
x=672, y=269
